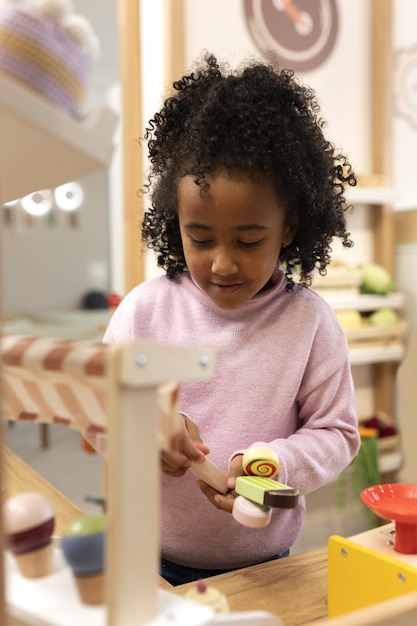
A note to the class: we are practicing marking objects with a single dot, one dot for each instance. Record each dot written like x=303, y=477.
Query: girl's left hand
x=224, y=502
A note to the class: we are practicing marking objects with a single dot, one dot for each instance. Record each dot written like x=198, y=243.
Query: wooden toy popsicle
x=266, y=492
x=210, y=473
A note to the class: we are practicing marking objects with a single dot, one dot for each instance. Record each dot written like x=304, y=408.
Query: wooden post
x=133, y=376
x=381, y=125
x=174, y=35
x=130, y=55
x=381, y=111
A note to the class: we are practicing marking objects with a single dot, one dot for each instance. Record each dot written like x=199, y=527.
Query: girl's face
x=232, y=236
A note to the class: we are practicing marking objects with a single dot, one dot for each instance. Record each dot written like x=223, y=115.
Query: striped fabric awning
x=54, y=380
x=65, y=381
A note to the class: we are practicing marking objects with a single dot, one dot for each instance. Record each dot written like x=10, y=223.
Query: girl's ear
x=289, y=234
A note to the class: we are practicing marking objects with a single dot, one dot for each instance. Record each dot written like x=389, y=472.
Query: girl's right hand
x=186, y=446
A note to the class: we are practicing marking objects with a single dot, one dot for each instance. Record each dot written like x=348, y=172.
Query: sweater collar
x=259, y=300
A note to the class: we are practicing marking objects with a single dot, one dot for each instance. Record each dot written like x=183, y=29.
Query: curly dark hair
x=259, y=122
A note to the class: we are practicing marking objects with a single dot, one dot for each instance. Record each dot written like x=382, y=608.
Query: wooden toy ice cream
x=83, y=548
x=29, y=520
x=210, y=596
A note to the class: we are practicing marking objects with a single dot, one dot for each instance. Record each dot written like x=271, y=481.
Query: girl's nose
x=223, y=264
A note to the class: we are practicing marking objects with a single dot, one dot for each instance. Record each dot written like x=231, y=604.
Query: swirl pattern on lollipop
x=260, y=461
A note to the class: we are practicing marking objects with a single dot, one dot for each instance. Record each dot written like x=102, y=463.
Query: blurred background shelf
x=376, y=354
x=77, y=324
x=371, y=195
x=363, y=302
x=45, y=143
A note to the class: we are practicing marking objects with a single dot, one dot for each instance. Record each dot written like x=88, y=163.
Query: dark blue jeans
x=179, y=574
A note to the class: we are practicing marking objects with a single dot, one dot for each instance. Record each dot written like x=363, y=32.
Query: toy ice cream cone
x=29, y=521
x=91, y=588
x=36, y=563
x=83, y=548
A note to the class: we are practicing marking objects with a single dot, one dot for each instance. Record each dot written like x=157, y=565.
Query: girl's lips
x=226, y=288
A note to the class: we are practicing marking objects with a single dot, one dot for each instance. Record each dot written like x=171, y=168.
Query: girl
x=247, y=195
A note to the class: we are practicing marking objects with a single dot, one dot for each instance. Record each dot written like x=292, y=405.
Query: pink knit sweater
x=281, y=378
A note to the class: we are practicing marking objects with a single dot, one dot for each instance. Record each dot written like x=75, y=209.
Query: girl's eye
x=249, y=244
x=198, y=243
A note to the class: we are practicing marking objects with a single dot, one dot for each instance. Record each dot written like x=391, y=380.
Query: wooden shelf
x=390, y=462
x=376, y=354
x=77, y=324
x=363, y=302
x=42, y=146
x=371, y=195
x=374, y=334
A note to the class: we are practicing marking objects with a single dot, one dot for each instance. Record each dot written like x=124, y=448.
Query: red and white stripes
x=53, y=380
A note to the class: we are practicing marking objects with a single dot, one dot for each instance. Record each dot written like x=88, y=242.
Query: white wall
x=342, y=83
x=405, y=102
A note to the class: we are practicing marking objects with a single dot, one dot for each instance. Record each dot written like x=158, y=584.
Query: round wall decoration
x=299, y=34
x=405, y=85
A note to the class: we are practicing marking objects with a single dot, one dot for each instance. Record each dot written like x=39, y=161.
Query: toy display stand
x=116, y=389
x=53, y=601
x=396, y=502
x=386, y=556
x=366, y=569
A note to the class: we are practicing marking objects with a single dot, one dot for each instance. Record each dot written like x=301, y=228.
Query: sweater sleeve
x=326, y=438
x=122, y=323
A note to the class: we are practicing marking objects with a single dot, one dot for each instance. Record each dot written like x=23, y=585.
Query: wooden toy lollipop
x=29, y=520
x=260, y=461
x=83, y=548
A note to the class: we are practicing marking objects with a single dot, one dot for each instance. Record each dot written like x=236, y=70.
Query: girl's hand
x=186, y=446
x=224, y=502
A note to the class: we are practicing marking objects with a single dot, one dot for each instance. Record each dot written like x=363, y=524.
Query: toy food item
x=83, y=548
x=376, y=279
x=113, y=301
x=383, y=317
x=250, y=514
x=266, y=492
x=210, y=596
x=49, y=49
x=260, y=461
x=29, y=521
x=349, y=318
x=210, y=473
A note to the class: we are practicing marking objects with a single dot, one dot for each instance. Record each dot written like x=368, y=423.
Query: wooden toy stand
x=115, y=388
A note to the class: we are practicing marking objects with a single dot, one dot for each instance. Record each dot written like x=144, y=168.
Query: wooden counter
x=18, y=476
x=295, y=588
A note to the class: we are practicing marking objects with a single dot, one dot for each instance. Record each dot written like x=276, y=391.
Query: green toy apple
x=376, y=280
x=383, y=317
